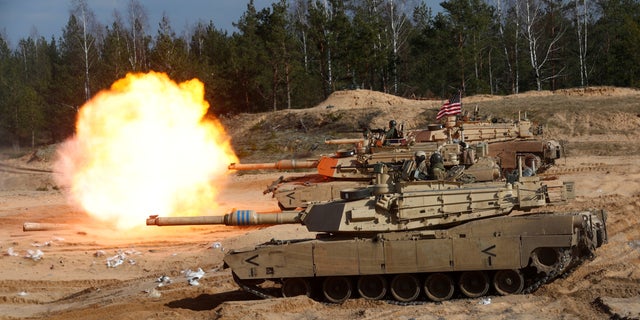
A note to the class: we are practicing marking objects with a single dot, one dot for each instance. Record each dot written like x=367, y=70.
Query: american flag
x=451, y=107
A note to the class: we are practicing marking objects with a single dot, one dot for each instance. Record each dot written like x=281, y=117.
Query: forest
x=295, y=53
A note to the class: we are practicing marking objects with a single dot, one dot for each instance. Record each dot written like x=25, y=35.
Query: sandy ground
x=73, y=278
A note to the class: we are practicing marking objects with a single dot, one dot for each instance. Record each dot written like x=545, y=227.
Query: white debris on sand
x=11, y=253
x=163, y=281
x=35, y=255
x=194, y=276
x=116, y=260
x=119, y=258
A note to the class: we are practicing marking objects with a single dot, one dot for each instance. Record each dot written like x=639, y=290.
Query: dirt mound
x=354, y=99
x=597, y=91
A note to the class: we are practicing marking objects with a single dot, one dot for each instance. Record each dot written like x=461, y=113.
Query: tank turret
x=393, y=204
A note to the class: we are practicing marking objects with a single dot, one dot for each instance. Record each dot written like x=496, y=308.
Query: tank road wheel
x=292, y=287
x=474, y=284
x=405, y=287
x=545, y=259
x=439, y=287
x=373, y=287
x=508, y=282
x=336, y=289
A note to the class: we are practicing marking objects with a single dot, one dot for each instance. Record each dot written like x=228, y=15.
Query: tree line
x=295, y=53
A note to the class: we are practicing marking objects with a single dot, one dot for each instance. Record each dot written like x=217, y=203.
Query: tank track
x=565, y=263
x=255, y=290
x=561, y=267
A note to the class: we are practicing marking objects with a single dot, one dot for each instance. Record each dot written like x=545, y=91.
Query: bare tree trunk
x=274, y=89
x=532, y=16
x=85, y=48
x=81, y=9
x=501, y=22
x=581, y=28
x=460, y=49
x=304, y=51
x=300, y=10
x=288, y=83
x=398, y=26
x=138, y=20
x=327, y=34
x=490, y=72
x=516, y=49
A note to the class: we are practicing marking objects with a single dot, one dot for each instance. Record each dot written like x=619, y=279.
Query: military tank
x=471, y=150
x=408, y=240
x=355, y=170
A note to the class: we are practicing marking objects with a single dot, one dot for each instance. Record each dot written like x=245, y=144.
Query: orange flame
x=143, y=148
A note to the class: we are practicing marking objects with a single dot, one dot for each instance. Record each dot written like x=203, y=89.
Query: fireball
x=144, y=147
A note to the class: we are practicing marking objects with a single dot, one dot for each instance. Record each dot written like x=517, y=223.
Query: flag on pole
x=451, y=107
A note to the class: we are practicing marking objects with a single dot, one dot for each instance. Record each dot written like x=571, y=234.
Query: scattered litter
x=153, y=293
x=163, y=280
x=99, y=253
x=35, y=255
x=635, y=244
x=119, y=258
x=193, y=277
x=116, y=260
x=485, y=300
x=58, y=239
x=217, y=245
x=37, y=244
x=22, y=293
x=132, y=252
x=11, y=253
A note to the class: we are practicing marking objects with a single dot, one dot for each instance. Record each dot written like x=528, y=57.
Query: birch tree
x=90, y=29
x=541, y=47
x=399, y=26
x=511, y=59
x=581, y=22
x=139, y=46
x=329, y=25
x=298, y=16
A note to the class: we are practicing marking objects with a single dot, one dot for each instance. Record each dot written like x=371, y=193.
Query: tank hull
x=533, y=246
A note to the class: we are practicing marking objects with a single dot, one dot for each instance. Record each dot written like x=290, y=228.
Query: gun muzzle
x=43, y=226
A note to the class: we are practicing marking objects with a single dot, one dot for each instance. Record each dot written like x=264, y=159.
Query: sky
x=19, y=19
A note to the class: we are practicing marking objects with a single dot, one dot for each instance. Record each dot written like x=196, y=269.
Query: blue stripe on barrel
x=242, y=217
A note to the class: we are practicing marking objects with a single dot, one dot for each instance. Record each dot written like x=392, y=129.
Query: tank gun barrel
x=235, y=218
x=346, y=141
x=279, y=165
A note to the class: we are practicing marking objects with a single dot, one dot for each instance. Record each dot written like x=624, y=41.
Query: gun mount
x=401, y=239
